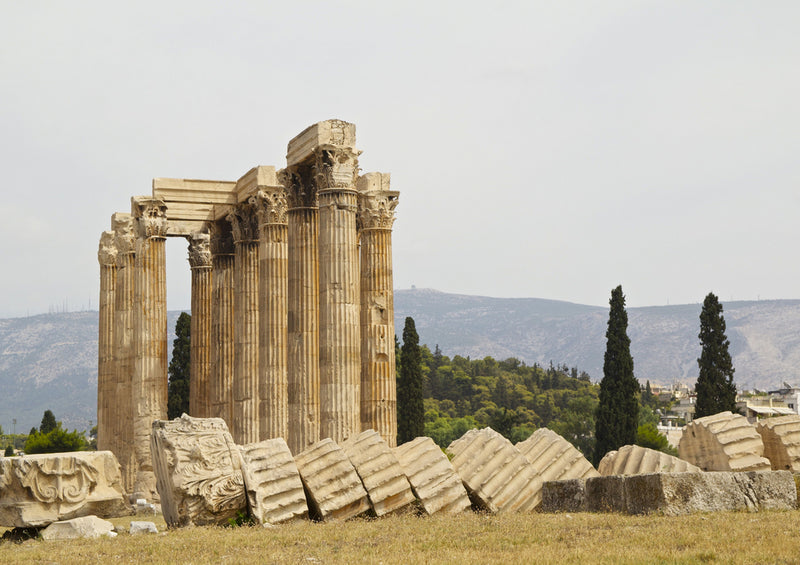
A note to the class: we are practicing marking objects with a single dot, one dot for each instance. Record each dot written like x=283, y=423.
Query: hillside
x=50, y=361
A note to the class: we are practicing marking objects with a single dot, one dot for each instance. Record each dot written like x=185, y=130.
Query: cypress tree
x=410, y=409
x=716, y=391
x=48, y=422
x=618, y=411
x=178, y=390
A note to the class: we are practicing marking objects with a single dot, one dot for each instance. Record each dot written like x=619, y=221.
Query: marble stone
x=723, y=442
x=637, y=460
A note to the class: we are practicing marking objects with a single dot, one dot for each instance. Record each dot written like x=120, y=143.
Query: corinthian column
x=340, y=347
x=376, y=204
x=106, y=414
x=273, y=254
x=150, y=336
x=303, y=314
x=121, y=427
x=222, y=302
x=244, y=222
x=200, y=348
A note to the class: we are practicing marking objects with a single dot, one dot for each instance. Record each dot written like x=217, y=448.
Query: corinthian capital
x=244, y=221
x=199, y=250
x=301, y=186
x=272, y=205
x=376, y=203
x=151, y=215
x=336, y=167
x=107, y=252
x=124, y=229
x=221, y=238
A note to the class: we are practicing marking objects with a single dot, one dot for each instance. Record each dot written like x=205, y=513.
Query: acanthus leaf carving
x=57, y=479
x=376, y=210
x=199, y=250
x=336, y=167
x=273, y=206
x=244, y=221
x=152, y=217
x=301, y=186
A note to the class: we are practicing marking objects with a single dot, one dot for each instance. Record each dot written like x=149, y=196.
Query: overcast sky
x=541, y=149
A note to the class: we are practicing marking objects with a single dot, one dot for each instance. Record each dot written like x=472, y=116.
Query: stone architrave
x=150, y=336
x=274, y=489
x=432, y=477
x=36, y=490
x=106, y=370
x=198, y=470
x=637, y=460
x=334, y=489
x=244, y=222
x=723, y=442
x=781, y=437
x=496, y=475
x=376, y=205
x=200, y=347
x=381, y=474
x=222, y=321
x=120, y=428
x=554, y=458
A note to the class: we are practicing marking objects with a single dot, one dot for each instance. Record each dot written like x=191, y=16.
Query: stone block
x=381, y=474
x=637, y=460
x=83, y=527
x=330, y=132
x=567, y=495
x=554, y=458
x=432, y=477
x=496, y=475
x=36, y=490
x=198, y=471
x=723, y=442
x=333, y=488
x=781, y=437
x=138, y=527
x=606, y=494
x=274, y=489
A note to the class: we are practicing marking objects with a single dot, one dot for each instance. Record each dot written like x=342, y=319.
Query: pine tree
x=48, y=422
x=716, y=391
x=618, y=411
x=178, y=391
x=410, y=409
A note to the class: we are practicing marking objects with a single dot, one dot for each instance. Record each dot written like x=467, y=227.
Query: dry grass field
x=765, y=537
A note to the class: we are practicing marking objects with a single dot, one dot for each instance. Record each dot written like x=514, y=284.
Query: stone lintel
x=375, y=182
x=194, y=191
x=329, y=132
x=262, y=177
x=185, y=228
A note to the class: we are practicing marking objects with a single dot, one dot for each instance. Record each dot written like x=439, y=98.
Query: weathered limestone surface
x=200, y=344
x=432, y=477
x=568, y=495
x=334, y=489
x=554, y=458
x=139, y=527
x=723, y=442
x=107, y=256
x=496, y=475
x=376, y=205
x=222, y=324
x=781, y=437
x=637, y=460
x=274, y=489
x=84, y=527
x=606, y=494
x=36, y=490
x=381, y=474
x=198, y=471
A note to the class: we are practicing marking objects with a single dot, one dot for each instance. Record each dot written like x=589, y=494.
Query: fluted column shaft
x=274, y=281
x=340, y=347
x=222, y=324
x=107, y=256
x=150, y=338
x=200, y=347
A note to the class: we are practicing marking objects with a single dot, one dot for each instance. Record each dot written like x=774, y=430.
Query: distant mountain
x=50, y=361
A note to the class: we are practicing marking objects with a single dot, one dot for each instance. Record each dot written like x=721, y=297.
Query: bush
x=56, y=441
x=9, y=452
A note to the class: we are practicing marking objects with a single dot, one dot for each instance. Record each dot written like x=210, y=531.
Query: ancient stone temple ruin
x=292, y=332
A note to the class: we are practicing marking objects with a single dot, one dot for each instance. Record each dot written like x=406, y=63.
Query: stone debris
x=496, y=475
x=333, y=489
x=432, y=477
x=83, y=527
x=143, y=528
x=381, y=474
x=723, y=442
x=143, y=507
x=637, y=460
x=781, y=437
x=198, y=471
x=36, y=490
x=554, y=458
x=274, y=489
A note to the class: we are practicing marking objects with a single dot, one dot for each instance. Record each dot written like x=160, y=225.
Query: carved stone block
x=36, y=490
x=554, y=458
x=568, y=495
x=496, y=475
x=198, y=471
x=381, y=474
x=274, y=489
x=432, y=477
x=723, y=442
x=330, y=132
x=606, y=494
x=333, y=488
x=781, y=437
x=637, y=460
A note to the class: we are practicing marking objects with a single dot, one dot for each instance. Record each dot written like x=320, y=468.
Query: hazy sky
x=542, y=149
